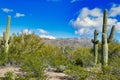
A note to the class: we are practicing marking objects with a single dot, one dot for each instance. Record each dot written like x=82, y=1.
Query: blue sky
x=59, y=18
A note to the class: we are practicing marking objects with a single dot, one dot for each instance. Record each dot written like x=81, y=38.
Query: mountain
x=71, y=42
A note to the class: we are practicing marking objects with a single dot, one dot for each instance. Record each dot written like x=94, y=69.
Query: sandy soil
x=52, y=75
x=3, y=70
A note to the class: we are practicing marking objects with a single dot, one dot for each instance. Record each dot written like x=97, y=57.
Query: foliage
x=34, y=57
x=25, y=51
x=33, y=66
x=60, y=68
x=77, y=72
x=82, y=57
x=53, y=57
x=9, y=76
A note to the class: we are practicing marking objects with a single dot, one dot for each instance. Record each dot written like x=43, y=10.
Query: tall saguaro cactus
x=6, y=35
x=105, y=39
x=95, y=41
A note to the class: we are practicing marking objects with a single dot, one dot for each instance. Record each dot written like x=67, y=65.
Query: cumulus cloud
x=87, y=21
x=19, y=15
x=115, y=10
x=90, y=19
x=6, y=10
x=42, y=31
x=47, y=36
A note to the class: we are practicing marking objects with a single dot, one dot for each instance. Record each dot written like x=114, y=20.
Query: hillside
x=71, y=42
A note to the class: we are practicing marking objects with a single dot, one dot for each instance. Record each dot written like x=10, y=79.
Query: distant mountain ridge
x=71, y=42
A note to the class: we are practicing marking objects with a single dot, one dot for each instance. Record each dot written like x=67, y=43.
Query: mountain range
x=71, y=42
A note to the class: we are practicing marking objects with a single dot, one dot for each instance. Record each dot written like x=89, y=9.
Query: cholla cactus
x=6, y=35
x=105, y=39
x=95, y=41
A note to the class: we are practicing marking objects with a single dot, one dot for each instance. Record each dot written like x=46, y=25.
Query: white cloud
x=6, y=10
x=26, y=31
x=87, y=21
x=47, y=36
x=19, y=15
x=90, y=19
x=82, y=30
x=115, y=10
x=42, y=31
x=118, y=27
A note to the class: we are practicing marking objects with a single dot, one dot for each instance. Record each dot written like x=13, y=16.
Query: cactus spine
x=95, y=41
x=6, y=35
x=105, y=39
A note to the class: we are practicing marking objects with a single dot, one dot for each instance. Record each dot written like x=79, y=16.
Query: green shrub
x=34, y=67
x=53, y=56
x=82, y=57
x=77, y=72
x=25, y=51
x=9, y=76
x=60, y=68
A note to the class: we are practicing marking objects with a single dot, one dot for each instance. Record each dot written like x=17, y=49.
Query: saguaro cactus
x=95, y=41
x=6, y=35
x=105, y=39
x=111, y=37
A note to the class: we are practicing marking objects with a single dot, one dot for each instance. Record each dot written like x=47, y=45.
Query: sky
x=59, y=18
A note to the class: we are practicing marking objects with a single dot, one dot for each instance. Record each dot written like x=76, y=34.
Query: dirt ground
x=52, y=75
x=3, y=70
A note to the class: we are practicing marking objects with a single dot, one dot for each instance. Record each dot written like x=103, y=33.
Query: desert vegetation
x=35, y=58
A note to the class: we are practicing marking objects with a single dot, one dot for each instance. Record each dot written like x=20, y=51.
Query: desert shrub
x=114, y=49
x=53, y=56
x=30, y=53
x=81, y=73
x=23, y=44
x=114, y=57
x=9, y=76
x=3, y=59
x=77, y=72
x=60, y=68
x=33, y=65
x=25, y=51
x=82, y=57
x=107, y=73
